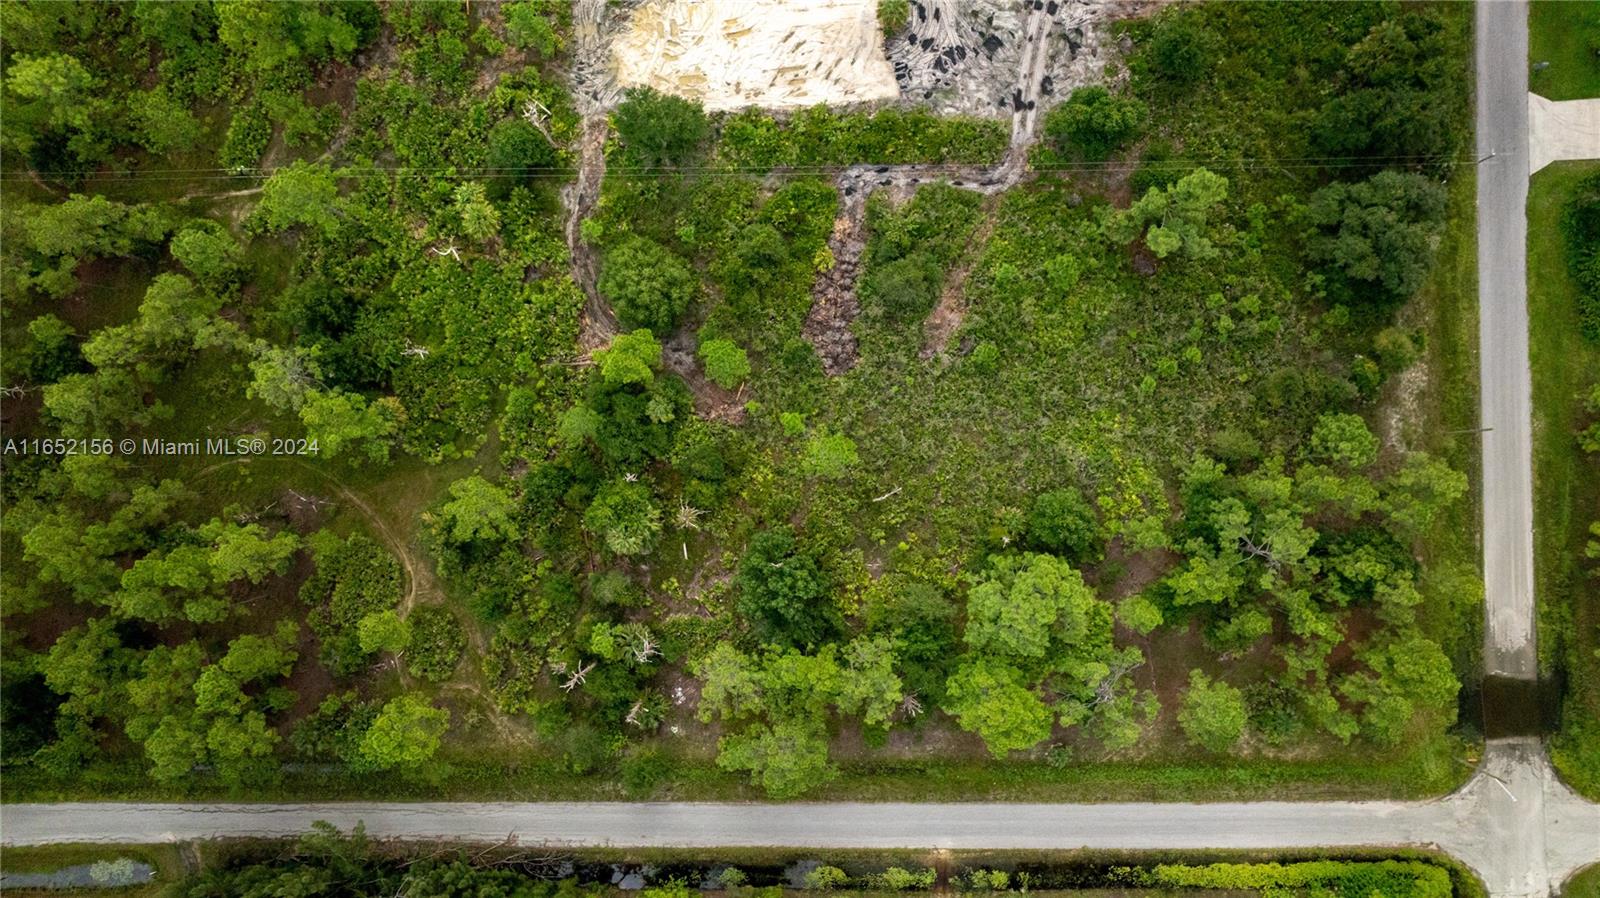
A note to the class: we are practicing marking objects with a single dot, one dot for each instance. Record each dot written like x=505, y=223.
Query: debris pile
x=730, y=54
x=964, y=56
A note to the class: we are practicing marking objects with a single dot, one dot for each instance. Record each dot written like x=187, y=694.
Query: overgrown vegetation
x=331, y=863
x=1565, y=357
x=1085, y=428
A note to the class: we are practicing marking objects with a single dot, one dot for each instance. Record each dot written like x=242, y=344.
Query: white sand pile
x=730, y=54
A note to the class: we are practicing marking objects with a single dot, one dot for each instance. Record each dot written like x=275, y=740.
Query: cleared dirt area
x=730, y=54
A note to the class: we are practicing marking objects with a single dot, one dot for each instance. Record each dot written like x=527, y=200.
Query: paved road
x=1522, y=838
x=1506, y=389
x=1514, y=822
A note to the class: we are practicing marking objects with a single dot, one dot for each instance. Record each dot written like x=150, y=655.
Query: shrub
x=1180, y=51
x=647, y=284
x=625, y=516
x=437, y=642
x=248, y=135
x=783, y=593
x=1094, y=123
x=1344, y=440
x=826, y=877
x=829, y=454
x=1213, y=713
x=899, y=879
x=893, y=15
x=354, y=577
x=515, y=153
x=1063, y=523
x=658, y=129
x=1580, y=225
x=1377, y=236
x=726, y=364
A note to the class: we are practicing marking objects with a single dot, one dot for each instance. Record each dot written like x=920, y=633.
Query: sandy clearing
x=730, y=54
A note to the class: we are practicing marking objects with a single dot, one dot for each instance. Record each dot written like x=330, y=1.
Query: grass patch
x=1584, y=884
x=1566, y=35
x=1566, y=482
x=1434, y=769
x=1445, y=424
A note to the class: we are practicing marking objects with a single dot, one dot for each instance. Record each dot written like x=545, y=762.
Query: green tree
x=284, y=377
x=336, y=420
x=300, y=194
x=1181, y=52
x=1344, y=440
x=1378, y=235
x=50, y=94
x=787, y=758
x=209, y=252
x=406, y=733
x=528, y=27
x=247, y=551
x=383, y=631
x=625, y=516
x=1094, y=123
x=725, y=363
x=1421, y=490
x=987, y=697
x=517, y=151
x=658, y=129
x=649, y=285
x=478, y=510
x=165, y=124
x=783, y=593
x=1213, y=713
x=1063, y=523
x=1406, y=678
x=1174, y=218
x=632, y=358
x=1022, y=604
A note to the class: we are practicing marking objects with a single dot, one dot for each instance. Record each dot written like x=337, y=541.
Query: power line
x=564, y=173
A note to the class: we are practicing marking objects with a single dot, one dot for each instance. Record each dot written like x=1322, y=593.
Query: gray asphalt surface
x=1514, y=823
x=1505, y=396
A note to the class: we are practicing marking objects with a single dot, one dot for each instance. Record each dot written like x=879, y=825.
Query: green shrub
x=1213, y=715
x=649, y=285
x=726, y=364
x=825, y=878
x=354, y=577
x=893, y=15
x=1063, y=523
x=1580, y=225
x=437, y=642
x=658, y=129
x=1094, y=123
x=248, y=135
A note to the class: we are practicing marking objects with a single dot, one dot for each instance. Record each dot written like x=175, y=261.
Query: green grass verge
x=1445, y=423
x=1566, y=482
x=1565, y=34
x=1429, y=771
x=1583, y=884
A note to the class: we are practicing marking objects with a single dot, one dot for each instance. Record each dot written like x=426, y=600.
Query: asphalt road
x=1514, y=823
x=1505, y=397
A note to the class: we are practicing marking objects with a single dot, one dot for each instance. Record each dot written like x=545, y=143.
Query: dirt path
x=599, y=322
x=946, y=317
